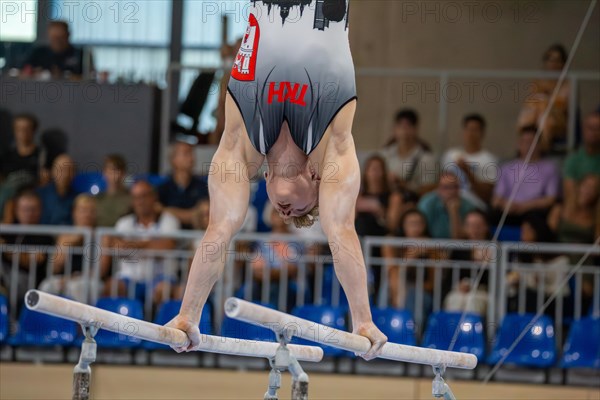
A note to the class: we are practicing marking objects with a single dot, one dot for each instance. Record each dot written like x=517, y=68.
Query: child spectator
x=115, y=201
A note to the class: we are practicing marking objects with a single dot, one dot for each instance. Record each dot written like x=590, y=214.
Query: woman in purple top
x=540, y=187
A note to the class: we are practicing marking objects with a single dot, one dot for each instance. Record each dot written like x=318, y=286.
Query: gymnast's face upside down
x=294, y=192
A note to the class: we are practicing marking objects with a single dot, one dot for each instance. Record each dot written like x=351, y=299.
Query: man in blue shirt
x=445, y=208
x=58, y=196
x=182, y=192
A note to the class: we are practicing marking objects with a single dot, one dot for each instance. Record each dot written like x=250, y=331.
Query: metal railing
x=540, y=279
x=313, y=280
x=13, y=273
x=437, y=262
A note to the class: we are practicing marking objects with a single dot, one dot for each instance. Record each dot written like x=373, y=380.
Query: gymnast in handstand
x=291, y=101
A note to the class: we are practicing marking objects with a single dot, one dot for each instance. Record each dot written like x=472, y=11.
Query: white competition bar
x=93, y=316
x=276, y=320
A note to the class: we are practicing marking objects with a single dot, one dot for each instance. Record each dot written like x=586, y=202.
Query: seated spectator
x=28, y=211
x=25, y=157
x=535, y=229
x=274, y=257
x=19, y=165
x=537, y=102
x=586, y=160
x=60, y=58
x=476, y=167
x=68, y=262
x=540, y=186
x=135, y=269
x=579, y=222
x=411, y=165
x=115, y=201
x=374, y=199
x=445, y=209
x=182, y=191
x=58, y=195
x=403, y=278
x=476, y=228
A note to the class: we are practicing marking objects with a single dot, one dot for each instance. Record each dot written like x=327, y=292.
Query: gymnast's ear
x=266, y=174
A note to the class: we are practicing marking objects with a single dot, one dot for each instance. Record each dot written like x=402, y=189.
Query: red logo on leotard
x=244, y=67
x=284, y=91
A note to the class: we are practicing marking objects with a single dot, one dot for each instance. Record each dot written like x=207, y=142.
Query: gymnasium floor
x=53, y=382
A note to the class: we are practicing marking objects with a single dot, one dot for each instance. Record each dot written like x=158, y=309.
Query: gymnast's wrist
x=191, y=317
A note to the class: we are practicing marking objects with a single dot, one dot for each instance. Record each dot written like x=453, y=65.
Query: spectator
x=476, y=228
x=28, y=211
x=59, y=57
x=58, y=195
x=139, y=270
x=26, y=155
x=115, y=202
x=403, y=278
x=555, y=126
x=19, y=166
x=445, y=208
x=411, y=165
x=374, y=199
x=540, y=185
x=274, y=258
x=586, y=160
x=182, y=191
x=579, y=221
x=70, y=252
x=475, y=166
x=534, y=229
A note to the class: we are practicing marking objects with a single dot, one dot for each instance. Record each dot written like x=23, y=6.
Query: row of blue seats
x=536, y=349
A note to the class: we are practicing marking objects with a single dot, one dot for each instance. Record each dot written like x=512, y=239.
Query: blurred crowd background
x=413, y=187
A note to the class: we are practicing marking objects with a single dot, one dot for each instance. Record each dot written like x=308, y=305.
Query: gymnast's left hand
x=191, y=330
x=377, y=338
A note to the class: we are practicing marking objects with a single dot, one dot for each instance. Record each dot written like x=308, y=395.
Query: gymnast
x=291, y=101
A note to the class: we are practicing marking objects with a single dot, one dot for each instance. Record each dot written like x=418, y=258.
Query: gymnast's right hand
x=191, y=330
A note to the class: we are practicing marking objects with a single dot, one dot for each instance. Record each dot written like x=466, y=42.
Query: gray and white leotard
x=294, y=65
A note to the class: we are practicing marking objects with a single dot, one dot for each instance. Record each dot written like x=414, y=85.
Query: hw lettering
x=286, y=91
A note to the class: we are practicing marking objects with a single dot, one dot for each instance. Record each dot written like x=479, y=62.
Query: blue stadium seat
x=536, y=349
x=242, y=330
x=441, y=327
x=397, y=325
x=90, y=182
x=169, y=310
x=328, y=316
x=37, y=329
x=582, y=348
x=123, y=306
x=3, y=319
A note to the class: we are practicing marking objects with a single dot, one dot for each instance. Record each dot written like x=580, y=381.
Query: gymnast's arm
x=339, y=189
x=229, y=193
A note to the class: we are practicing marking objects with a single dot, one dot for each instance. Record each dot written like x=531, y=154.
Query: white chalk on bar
x=278, y=321
x=103, y=319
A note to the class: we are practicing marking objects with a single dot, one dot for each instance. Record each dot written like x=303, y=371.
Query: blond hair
x=307, y=220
